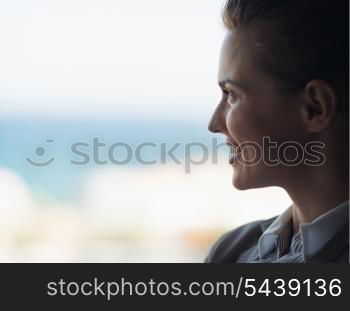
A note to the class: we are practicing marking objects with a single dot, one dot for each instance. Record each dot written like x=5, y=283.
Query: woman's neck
x=320, y=191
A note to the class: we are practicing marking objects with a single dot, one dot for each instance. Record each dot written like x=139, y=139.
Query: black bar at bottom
x=174, y=286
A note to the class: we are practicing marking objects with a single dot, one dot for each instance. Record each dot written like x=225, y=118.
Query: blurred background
x=119, y=71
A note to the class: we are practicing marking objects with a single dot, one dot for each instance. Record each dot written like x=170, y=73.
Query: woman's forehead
x=235, y=59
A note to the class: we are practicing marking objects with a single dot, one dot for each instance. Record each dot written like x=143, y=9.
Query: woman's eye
x=231, y=96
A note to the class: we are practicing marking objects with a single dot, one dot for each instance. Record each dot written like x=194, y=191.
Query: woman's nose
x=217, y=122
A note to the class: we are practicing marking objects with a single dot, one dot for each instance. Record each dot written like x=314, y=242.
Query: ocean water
x=40, y=140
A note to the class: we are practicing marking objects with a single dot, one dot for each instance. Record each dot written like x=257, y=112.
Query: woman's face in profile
x=251, y=108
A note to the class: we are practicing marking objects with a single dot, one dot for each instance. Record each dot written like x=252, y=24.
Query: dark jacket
x=242, y=243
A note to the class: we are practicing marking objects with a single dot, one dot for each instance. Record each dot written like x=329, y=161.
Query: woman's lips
x=234, y=151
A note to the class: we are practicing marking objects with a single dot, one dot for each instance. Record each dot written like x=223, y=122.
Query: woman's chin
x=240, y=184
x=244, y=179
x=241, y=180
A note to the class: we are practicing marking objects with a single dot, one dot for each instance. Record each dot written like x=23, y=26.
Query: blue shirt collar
x=314, y=235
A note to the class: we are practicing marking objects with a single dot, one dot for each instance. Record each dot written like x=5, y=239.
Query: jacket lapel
x=336, y=250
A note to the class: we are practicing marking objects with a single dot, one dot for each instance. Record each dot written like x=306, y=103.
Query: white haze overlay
x=88, y=57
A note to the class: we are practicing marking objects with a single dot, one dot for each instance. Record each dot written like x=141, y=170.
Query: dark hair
x=298, y=40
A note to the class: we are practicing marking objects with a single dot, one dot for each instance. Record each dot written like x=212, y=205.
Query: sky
x=105, y=57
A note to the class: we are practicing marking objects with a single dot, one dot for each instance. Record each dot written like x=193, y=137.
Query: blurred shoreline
x=154, y=214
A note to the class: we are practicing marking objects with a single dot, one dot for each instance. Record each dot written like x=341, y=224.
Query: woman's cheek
x=236, y=123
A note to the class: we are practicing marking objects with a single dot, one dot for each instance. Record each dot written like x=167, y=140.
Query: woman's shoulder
x=231, y=244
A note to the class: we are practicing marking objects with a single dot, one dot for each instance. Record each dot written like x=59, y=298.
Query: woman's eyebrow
x=235, y=83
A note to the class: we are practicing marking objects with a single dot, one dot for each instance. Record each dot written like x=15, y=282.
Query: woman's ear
x=319, y=105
